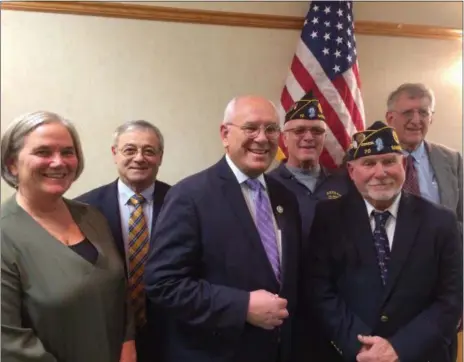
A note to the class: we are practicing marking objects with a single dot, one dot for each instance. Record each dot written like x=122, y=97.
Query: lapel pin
x=280, y=209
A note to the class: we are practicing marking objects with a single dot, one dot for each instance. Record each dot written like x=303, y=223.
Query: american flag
x=326, y=62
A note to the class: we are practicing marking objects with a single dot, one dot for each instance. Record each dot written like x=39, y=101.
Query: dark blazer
x=328, y=186
x=105, y=199
x=418, y=309
x=207, y=257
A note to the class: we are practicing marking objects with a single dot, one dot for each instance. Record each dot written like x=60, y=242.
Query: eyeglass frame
x=409, y=118
x=306, y=130
x=141, y=150
x=251, y=135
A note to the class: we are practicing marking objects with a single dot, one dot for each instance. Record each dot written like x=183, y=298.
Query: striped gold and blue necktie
x=138, y=248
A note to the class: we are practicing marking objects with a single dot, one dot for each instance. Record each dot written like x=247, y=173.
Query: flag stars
x=315, y=21
x=315, y=8
x=305, y=22
x=340, y=12
x=336, y=69
x=337, y=53
x=325, y=51
x=327, y=36
x=339, y=40
x=314, y=34
x=349, y=58
x=348, y=31
x=349, y=17
x=327, y=24
x=348, y=44
x=339, y=26
x=327, y=10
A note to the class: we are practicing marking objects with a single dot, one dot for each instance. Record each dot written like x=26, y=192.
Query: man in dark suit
x=224, y=264
x=384, y=266
x=138, y=152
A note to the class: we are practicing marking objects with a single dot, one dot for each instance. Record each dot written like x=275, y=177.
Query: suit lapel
x=158, y=198
x=278, y=205
x=359, y=228
x=441, y=170
x=110, y=208
x=407, y=226
x=232, y=192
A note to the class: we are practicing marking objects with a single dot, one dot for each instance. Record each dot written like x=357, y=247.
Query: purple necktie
x=265, y=224
x=381, y=243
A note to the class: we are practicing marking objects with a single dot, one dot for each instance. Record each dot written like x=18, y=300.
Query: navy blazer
x=105, y=199
x=328, y=186
x=207, y=257
x=419, y=307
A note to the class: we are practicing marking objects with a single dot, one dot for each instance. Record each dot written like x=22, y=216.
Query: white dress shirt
x=390, y=226
x=250, y=198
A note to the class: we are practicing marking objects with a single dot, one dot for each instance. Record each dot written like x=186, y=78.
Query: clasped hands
x=266, y=310
x=376, y=349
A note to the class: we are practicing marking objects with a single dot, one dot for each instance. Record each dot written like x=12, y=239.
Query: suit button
x=384, y=318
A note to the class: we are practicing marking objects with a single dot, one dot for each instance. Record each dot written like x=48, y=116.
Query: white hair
x=230, y=109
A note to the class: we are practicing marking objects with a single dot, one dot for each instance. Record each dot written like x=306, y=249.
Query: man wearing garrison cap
x=384, y=269
x=304, y=134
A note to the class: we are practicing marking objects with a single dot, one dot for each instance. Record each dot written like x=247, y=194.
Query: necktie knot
x=381, y=217
x=254, y=184
x=137, y=199
x=410, y=160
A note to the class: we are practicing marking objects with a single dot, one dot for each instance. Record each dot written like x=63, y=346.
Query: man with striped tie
x=384, y=267
x=224, y=264
x=131, y=205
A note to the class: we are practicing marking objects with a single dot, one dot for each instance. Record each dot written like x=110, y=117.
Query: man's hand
x=376, y=349
x=266, y=310
x=128, y=353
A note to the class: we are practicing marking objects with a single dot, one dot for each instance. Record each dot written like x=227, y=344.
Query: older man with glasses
x=224, y=264
x=131, y=205
x=433, y=171
x=304, y=135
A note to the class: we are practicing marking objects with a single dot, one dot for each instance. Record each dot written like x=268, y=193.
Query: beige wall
x=100, y=72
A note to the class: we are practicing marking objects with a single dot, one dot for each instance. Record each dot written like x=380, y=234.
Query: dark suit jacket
x=207, y=257
x=418, y=309
x=328, y=186
x=105, y=199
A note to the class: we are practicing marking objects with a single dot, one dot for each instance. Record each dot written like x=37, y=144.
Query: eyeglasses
x=409, y=113
x=132, y=151
x=272, y=131
x=301, y=131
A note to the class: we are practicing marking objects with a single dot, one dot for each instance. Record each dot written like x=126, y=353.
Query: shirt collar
x=125, y=192
x=393, y=207
x=315, y=172
x=241, y=177
x=418, y=153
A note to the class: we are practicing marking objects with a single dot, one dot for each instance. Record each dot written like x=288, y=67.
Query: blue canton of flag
x=329, y=35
